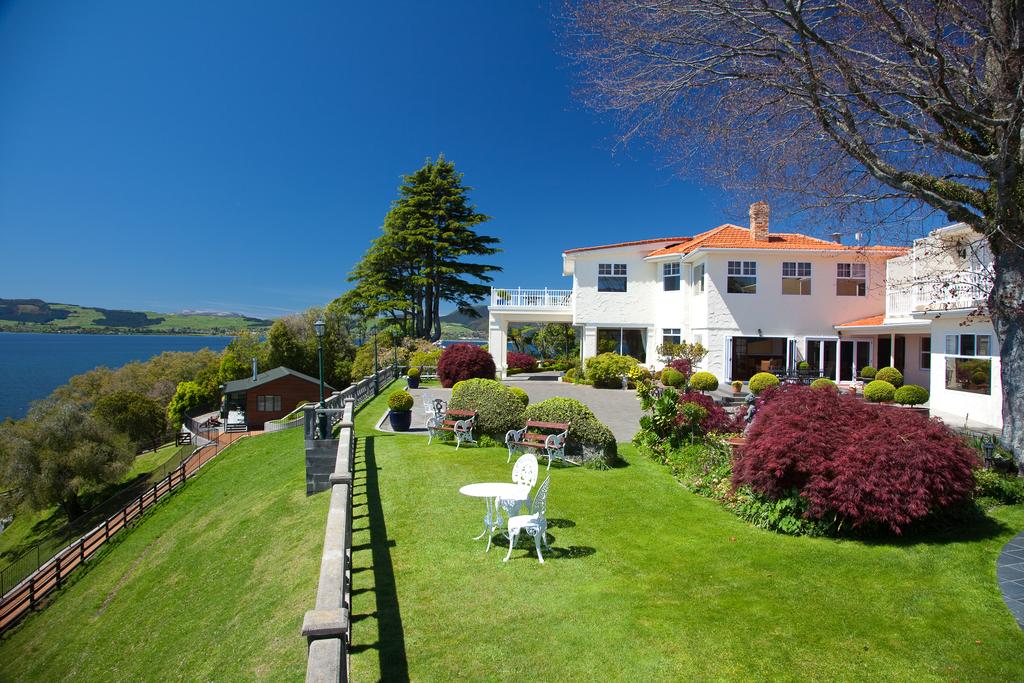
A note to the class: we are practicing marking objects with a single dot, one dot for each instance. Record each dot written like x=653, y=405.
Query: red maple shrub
x=521, y=361
x=864, y=466
x=464, y=361
x=718, y=419
x=683, y=366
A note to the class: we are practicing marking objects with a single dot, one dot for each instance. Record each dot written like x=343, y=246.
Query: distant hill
x=458, y=320
x=36, y=315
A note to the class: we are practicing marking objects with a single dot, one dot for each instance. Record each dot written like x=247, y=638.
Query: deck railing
x=962, y=289
x=530, y=298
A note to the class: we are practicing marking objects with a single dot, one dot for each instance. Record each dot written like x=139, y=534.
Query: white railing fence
x=963, y=289
x=530, y=298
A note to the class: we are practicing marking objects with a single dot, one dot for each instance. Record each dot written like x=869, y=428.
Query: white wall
x=986, y=409
x=718, y=314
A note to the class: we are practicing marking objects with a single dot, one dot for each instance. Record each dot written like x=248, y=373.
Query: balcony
x=532, y=299
x=960, y=290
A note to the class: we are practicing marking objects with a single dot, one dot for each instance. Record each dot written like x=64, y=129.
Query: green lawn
x=650, y=582
x=31, y=526
x=646, y=582
x=212, y=585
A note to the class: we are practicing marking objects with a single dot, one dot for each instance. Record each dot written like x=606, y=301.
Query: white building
x=763, y=300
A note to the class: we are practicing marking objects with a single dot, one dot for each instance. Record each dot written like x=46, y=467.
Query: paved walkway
x=1010, y=573
x=618, y=409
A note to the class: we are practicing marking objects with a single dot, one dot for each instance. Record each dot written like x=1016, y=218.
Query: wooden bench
x=459, y=422
x=529, y=437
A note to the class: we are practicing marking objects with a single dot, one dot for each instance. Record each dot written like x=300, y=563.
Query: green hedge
x=673, y=378
x=911, y=395
x=868, y=372
x=498, y=408
x=762, y=381
x=521, y=394
x=879, y=391
x=607, y=369
x=890, y=375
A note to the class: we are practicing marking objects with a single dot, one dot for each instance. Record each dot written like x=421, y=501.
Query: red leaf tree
x=464, y=361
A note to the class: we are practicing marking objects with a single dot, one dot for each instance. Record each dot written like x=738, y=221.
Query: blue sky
x=240, y=155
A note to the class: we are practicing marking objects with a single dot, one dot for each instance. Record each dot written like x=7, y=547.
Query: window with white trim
x=611, y=277
x=969, y=363
x=741, y=277
x=698, y=279
x=851, y=279
x=670, y=276
x=926, y=353
x=796, y=277
x=672, y=335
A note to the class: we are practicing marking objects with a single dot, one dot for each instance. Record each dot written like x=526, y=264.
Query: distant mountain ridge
x=36, y=315
x=478, y=324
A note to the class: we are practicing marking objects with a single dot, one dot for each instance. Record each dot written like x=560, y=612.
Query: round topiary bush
x=521, y=361
x=911, y=395
x=868, y=372
x=400, y=401
x=497, y=407
x=890, y=375
x=823, y=383
x=879, y=391
x=464, y=361
x=414, y=373
x=570, y=375
x=803, y=365
x=607, y=369
x=673, y=378
x=589, y=439
x=523, y=397
x=824, y=446
x=703, y=381
x=762, y=381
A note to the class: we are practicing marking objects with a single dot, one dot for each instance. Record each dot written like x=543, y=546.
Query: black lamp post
x=376, y=381
x=318, y=327
x=988, y=446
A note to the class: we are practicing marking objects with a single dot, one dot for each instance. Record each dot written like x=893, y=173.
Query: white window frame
x=742, y=269
x=615, y=270
x=800, y=271
x=851, y=268
x=676, y=332
x=671, y=271
x=698, y=280
x=954, y=345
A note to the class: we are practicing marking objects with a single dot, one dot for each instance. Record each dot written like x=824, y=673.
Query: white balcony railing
x=531, y=298
x=963, y=289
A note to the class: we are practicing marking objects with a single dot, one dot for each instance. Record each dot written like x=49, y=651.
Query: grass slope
x=212, y=585
x=86, y=319
x=650, y=582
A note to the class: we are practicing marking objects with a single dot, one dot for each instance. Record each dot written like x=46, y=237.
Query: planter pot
x=400, y=420
x=414, y=382
x=737, y=390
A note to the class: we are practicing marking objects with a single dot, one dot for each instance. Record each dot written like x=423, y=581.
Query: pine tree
x=418, y=260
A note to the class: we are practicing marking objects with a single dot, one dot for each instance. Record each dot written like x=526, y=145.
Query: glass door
x=854, y=354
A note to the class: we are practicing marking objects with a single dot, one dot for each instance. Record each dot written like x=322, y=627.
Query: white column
x=652, y=346
x=497, y=342
x=589, y=344
x=892, y=350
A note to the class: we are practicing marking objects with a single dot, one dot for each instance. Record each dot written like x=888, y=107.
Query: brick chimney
x=759, y=221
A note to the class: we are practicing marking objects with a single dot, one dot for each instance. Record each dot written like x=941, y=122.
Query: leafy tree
x=190, y=396
x=285, y=347
x=693, y=352
x=236, y=361
x=556, y=340
x=59, y=453
x=418, y=261
x=135, y=415
x=521, y=336
x=883, y=107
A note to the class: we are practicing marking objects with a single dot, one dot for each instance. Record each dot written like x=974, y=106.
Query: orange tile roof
x=627, y=244
x=730, y=236
x=865, y=322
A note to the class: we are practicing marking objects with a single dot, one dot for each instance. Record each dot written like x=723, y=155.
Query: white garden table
x=492, y=492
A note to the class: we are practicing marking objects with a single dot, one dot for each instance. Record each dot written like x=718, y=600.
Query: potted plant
x=400, y=413
x=413, y=378
x=737, y=387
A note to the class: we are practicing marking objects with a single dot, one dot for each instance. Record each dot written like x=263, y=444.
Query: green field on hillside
x=34, y=315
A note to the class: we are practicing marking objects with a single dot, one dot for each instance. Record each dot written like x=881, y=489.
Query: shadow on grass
x=525, y=544
x=390, y=645
x=960, y=526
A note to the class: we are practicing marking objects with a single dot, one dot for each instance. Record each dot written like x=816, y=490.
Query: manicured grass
x=650, y=582
x=30, y=526
x=646, y=582
x=212, y=585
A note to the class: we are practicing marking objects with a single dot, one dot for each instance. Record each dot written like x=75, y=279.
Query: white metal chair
x=535, y=523
x=523, y=472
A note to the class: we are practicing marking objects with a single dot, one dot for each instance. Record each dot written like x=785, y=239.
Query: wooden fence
x=31, y=592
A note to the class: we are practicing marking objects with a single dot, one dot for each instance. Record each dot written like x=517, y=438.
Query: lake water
x=33, y=365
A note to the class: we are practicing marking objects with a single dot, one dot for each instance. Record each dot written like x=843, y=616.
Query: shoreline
x=138, y=332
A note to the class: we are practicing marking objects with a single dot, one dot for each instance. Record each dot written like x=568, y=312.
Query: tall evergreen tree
x=418, y=261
